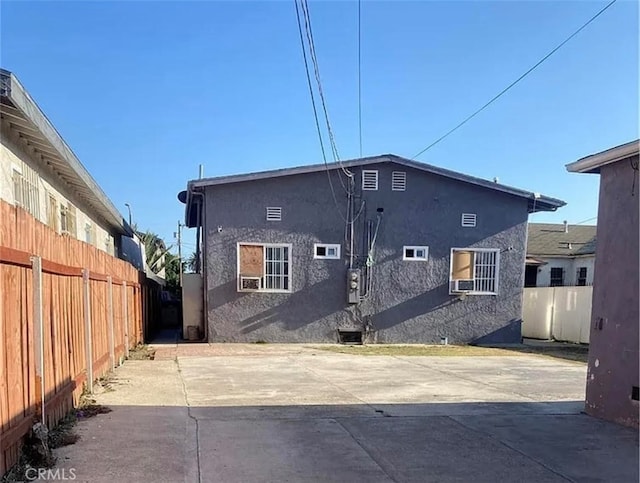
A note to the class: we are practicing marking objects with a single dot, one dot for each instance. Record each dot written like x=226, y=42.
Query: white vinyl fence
x=560, y=313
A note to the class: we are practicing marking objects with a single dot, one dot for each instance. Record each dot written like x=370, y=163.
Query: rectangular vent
x=369, y=180
x=635, y=393
x=274, y=213
x=469, y=219
x=350, y=337
x=250, y=283
x=398, y=181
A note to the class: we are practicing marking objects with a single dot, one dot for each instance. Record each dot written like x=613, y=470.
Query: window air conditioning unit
x=462, y=286
x=250, y=283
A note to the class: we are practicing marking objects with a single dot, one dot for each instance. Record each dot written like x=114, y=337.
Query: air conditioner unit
x=249, y=283
x=462, y=286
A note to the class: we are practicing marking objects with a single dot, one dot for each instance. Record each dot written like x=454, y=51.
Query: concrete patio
x=271, y=413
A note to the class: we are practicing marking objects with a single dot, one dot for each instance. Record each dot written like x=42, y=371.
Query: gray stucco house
x=380, y=249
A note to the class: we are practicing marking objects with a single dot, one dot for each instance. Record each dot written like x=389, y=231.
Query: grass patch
x=578, y=353
x=142, y=352
x=415, y=350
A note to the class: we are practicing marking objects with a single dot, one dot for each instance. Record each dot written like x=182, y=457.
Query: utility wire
x=315, y=113
x=314, y=60
x=359, y=76
x=505, y=90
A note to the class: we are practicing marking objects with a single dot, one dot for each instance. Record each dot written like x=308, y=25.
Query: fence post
x=112, y=352
x=38, y=330
x=87, y=327
x=125, y=317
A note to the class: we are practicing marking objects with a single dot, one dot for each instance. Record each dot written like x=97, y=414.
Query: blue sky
x=144, y=92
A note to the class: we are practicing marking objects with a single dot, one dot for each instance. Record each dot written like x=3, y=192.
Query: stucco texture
x=613, y=350
x=409, y=301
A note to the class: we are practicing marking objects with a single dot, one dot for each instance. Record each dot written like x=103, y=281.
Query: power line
x=359, y=76
x=505, y=90
x=316, y=68
x=315, y=113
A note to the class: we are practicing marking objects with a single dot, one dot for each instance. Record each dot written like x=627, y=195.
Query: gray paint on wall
x=613, y=348
x=410, y=300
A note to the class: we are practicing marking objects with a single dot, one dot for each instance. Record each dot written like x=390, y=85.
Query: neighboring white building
x=40, y=173
x=560, y=255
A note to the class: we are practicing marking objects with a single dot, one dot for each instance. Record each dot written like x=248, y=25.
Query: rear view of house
x=560, y=255
x=380, y=249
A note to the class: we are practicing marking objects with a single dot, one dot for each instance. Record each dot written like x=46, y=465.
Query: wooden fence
x=68, y=314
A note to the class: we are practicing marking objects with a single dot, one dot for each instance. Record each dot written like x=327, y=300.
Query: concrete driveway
x=241, y=413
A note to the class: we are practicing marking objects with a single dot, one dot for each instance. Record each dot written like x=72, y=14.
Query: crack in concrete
x=192, y=417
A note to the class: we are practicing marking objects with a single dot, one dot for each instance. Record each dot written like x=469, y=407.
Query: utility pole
x=178, y=235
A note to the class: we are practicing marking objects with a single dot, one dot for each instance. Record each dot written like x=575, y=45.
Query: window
x=25, y=190
x=264, y=267
x=369, y=180
x=557, y=277
x=581, y=277
x=90, y=233
x=52, y=212
x=274, y=213
x=474, y=271
x=325, y=251
x=398, y=181
x=108, y=244
x=415, y=253
x=469, y=220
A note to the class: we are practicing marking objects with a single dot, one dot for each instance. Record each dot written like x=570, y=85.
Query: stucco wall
x=613, y=352
x=15, y=155
x=410, y=300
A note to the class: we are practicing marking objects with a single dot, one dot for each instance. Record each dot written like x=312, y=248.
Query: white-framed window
x=369, y=180
x=264, y=267
x=468, y=220
x=26, y=193
x=415, y=252
x=90, y=233
x=274, y=213
x=474, y=271
x=326, y=251
x=398, y=181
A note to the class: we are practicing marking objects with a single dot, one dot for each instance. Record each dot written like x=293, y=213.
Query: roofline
x=537, y=202
x=577, y=255
x=12, y=89
x=593, y=163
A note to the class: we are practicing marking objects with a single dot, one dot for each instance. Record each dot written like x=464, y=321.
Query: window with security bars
x=264, y=267
x=68, y=220
x=557, y=277
x=398, y=181
x=475, y=270
x=581, y=277
x=369, y=180
x=26, y=193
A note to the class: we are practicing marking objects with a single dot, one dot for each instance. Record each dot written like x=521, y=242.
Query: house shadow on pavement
x=480, y=442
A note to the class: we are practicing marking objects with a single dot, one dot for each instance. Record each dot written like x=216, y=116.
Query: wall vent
x=274, y=213
x=350, y=336
x=398, y=181
x=369, y=180
x=469, y=220
x=635, y=393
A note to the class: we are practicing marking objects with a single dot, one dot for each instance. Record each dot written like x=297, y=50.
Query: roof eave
x=13, y=91
x=593, y=163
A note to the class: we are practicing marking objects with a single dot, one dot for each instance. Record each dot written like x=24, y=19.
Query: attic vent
x=469, y=219
x=274, y=213
x=369, y=180
x=398, y=181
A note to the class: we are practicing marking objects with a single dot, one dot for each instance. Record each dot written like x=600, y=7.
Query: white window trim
x=264, y=245
x=370, y=171
x=471, y=249
x=469, y=225
x=276, y=213
x=327, y=246
x=402, y=180
x=414, y=248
